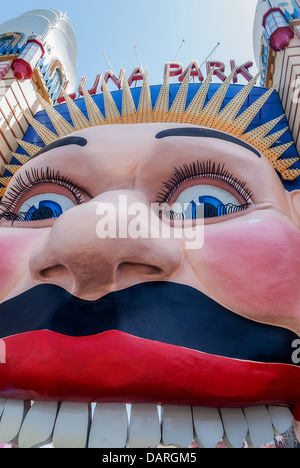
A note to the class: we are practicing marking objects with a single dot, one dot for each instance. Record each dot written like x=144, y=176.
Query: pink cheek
x=253, y=268
x=15, y=248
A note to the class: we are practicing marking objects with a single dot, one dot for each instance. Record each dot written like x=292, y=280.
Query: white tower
x=38, y=55
x=277, y=53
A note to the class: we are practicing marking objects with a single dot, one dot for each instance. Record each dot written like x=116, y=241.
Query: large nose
x=105, y=245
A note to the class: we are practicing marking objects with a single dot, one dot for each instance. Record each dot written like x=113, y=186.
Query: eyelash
x=201, y=169
x=35, y=176
x=181, y=174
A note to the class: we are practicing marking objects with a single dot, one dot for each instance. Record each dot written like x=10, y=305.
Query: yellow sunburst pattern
x=197, y=113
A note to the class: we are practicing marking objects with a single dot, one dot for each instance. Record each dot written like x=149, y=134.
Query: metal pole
x=183, y=41
x=138, y=56
x=210, y=55
x=108, y=62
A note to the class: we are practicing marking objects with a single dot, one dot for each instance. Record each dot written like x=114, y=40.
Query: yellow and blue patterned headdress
x=199, y=112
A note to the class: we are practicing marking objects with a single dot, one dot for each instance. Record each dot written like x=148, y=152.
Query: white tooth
x=177, y=425
x=281, y=417
x=38, y=424
x=144, y=426
x=71, y=426
x=235, y=427
x=208, y=427
x=260, y=425
x=2, y=405
x=12, y=418
x=109, y=426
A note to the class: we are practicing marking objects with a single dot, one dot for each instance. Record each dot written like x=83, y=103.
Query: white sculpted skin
x=240, y=265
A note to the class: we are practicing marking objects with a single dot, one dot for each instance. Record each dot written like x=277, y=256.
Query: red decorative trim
x=291, y=106
x=21, y=69
x=93, y=89
x=4, y=69
x=61, y=98
x=18, y=103
x=286, y=79
x=35, y=41
x=13, y=113
x=28, y=106
x=3, y=157
x=280, y=39
x=219, y=69
x=4, y=138
x=272, y=10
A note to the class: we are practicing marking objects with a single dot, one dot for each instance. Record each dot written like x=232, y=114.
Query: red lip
x=117, y=367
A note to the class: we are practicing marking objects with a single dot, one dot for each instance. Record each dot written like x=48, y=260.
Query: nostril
x=140, y=269
x=55, y=272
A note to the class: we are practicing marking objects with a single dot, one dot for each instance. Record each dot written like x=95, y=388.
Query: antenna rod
x=138, y=56
x=183, y=41
x=108, y=62
x=210, y=54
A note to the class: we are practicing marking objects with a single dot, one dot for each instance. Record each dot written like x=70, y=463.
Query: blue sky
x=156, y=28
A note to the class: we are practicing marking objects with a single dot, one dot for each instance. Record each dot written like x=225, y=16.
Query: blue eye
x=55, y=207
x=46, y=209
x=45, y=206
x=207, y=207
x=206, y=201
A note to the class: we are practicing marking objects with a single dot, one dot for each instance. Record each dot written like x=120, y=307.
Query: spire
x=259, y=133
x=112, y=115
x=22, y=158
x=162, y=104
x=28, y=147
x=94, y=113
x=230, y=112
x=244, y=120
x=196, y=106
x=62, y=127
x=213, y=107
x=128, y=106
x=178, y=107
x=144, y=111
x=45, y=134
x=79, y=120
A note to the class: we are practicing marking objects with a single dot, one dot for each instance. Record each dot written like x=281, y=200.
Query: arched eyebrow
x=79, y=141
x=205, y=133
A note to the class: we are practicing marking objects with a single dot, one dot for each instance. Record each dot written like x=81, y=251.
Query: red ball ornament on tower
x=278, y=29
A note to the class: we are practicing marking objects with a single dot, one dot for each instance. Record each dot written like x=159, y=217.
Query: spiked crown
x=197, y=113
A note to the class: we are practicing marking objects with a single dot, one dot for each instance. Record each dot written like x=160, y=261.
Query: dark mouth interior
x=158, y=311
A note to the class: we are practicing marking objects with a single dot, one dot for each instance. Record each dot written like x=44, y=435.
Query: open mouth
x=152, y=344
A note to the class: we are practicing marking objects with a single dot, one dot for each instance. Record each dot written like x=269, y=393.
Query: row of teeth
x=117, y=425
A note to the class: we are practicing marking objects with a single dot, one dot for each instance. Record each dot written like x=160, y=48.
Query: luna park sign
x=174, y=69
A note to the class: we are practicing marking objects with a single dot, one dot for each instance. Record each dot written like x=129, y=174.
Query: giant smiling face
x=149, y=319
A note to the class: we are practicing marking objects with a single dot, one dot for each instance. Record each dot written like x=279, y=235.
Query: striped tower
x=31, y=65
x=277, y=51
